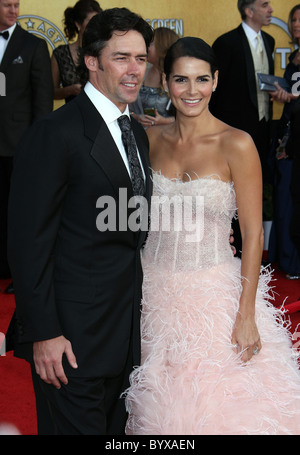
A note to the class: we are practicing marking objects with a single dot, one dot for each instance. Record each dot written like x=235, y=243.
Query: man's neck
x=2, y=29
x=256, y=27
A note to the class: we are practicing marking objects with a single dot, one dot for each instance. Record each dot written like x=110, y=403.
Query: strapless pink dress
x=190, y=381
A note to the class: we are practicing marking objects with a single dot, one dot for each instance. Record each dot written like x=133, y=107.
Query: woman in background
x=153, y=106
x=65, y=57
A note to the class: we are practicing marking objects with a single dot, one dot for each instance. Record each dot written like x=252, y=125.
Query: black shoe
x=10, y=289
x=293, y=276
x=5, y=276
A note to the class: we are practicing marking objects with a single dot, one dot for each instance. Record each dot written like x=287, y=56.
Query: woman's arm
x=61, y=93
x=247, y=177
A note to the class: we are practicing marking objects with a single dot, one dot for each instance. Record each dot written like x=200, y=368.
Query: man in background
x=25, y=63
x=241, y=54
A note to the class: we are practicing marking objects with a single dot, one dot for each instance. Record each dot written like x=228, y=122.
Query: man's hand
x=47, y=356
x=231, y=240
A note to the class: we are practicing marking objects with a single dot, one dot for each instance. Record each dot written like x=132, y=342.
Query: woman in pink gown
x=217, y=358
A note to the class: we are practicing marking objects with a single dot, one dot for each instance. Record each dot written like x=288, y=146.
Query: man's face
x=119, y=72
x=9, y=12
x=261, y=12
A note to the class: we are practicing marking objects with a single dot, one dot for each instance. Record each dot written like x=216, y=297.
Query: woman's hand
x=282, y=96
x=280, y=152
x=245, y=337
x=74, y=89
x=148, y=120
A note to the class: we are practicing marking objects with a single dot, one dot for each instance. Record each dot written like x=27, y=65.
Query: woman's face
x=190, y=85
x=296, y=24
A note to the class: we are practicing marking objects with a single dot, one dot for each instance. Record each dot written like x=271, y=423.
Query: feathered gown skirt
x=190, y=381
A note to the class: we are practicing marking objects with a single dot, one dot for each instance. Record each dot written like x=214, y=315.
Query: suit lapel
x=269, y=53
x=144, y=154
x=106, y=154
x=249, y=65
x=104, y=150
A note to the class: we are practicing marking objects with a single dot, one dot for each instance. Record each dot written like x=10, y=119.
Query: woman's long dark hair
x=78, y=13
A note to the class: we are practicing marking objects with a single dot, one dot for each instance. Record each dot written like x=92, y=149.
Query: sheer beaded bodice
x=190, y=223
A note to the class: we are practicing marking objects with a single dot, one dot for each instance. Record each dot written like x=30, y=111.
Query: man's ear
x=249, y=12
x=91, y=63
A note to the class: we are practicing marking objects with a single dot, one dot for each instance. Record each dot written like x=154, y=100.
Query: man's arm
x=38, y=190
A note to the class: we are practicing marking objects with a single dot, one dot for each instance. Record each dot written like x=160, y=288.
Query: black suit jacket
x=235, y=99
x=29, y=87
x=71, y=279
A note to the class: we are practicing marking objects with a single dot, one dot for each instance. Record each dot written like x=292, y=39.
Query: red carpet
x=17, y=405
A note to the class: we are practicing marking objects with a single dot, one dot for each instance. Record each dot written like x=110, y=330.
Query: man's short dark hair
x=242, y=5
x=100, y=29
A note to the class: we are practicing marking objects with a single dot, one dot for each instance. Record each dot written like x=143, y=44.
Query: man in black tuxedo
x=73, y=248
x=241, y=54
x=25, y=63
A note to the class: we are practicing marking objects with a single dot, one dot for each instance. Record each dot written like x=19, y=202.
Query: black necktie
x=133, y=159
x=5, y=34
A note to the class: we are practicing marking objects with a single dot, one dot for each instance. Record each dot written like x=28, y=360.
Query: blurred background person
x=241, y=54
x=65, y=57
x=25, y=63
x=153, y=106
x=281, y=246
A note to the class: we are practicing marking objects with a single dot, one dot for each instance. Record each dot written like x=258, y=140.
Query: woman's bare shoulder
x=235, y=141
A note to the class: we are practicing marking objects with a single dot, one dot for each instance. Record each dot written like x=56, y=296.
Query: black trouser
x=86, y=406
x=295, y=224
x=6, y=165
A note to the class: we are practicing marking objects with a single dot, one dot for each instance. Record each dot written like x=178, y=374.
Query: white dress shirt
x=4, y=42
x=251, y=35
x=110, y=114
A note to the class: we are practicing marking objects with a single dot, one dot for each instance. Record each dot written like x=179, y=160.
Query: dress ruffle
x=191, y=382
